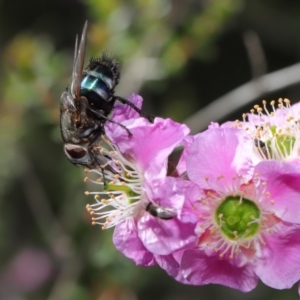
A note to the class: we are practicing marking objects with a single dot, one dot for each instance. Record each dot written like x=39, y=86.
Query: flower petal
x=171, y=264
x=279, y=264
x=123, y=112
x=200, y=269
x=165, y=236
x=284, y=188
x=219, y=152
x=172, y=192
x=150, y=143
x=127, y=241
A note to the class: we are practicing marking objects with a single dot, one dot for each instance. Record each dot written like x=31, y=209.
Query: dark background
x=180, y=56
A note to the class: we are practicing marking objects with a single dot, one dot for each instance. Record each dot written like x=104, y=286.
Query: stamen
x=121, y=189
x=276, y=133
x=222, y=232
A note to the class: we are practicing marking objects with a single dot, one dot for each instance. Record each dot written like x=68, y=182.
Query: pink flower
x=142, y=178
x=246, y=215
x=275, y=133
x=225, y=210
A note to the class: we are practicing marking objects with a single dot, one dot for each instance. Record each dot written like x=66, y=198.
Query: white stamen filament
x=122, y=189
x=280, y=132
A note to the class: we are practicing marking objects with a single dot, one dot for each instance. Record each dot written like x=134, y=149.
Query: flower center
x=238, y=218
x=276, y=134
x=276, y=145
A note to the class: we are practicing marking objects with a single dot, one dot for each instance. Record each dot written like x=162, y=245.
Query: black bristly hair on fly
x=108, y=61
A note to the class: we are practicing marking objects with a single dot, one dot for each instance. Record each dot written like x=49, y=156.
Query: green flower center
x=121, y=188
x=284, y=143
x=238, y=218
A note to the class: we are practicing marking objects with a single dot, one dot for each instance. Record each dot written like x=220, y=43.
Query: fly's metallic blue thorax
x=99, y=80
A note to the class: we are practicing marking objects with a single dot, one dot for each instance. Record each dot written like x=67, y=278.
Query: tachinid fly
x=86, y=106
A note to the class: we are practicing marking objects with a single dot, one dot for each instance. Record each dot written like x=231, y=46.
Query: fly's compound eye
x=77, y=155
x=75, y=152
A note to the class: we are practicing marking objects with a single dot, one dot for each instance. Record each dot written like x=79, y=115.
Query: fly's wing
x=78, y=64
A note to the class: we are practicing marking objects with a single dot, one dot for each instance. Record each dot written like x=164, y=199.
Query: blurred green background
x=180, y=56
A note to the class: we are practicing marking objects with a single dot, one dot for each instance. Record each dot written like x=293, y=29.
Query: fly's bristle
x=106, y=60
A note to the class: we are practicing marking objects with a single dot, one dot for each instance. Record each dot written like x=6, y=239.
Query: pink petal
x=171, y=264
x=219, y=152
x=122, y=112
x=228, y=124
x=283, y=183
x=127, y=241
x=165, y=236
x=199, y=269
x=279, y=264
x=172, y=192
x=150, y=144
